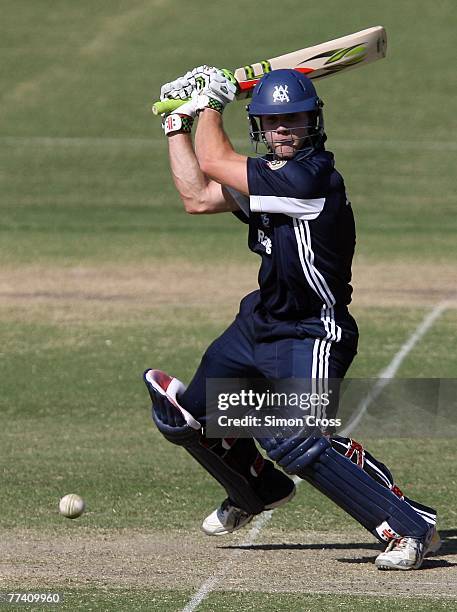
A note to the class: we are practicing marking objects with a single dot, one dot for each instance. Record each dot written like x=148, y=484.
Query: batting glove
x=183, y=88
x=179, y=89
x=178, y=122
x=219, y=90
x=181, y=119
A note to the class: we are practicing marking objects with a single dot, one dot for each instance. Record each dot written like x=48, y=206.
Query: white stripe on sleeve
x=299, y=208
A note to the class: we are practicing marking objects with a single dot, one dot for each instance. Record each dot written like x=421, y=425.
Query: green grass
x=90, y=73
x=286, y=602
x=133, y=599
x=89, y=202
x=84, y=181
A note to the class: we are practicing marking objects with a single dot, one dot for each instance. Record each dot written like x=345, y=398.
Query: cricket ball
x=71, y=505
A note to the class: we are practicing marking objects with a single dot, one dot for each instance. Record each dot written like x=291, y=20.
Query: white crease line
x=383, y=379
x=209, y=584
x=388, y=373
x=57, y=141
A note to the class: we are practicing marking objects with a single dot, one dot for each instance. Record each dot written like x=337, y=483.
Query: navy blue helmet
x=282, y=92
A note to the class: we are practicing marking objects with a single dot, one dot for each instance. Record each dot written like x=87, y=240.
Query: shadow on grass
x=326, y=546
x=449, y=542
x=448, y=538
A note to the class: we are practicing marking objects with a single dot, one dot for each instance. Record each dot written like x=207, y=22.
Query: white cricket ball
x=71, y=505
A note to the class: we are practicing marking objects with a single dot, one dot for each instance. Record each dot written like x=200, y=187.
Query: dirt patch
x=148, y=285
x=95, y=292
x=98, y=293
x=404, y=284
x=307, y=562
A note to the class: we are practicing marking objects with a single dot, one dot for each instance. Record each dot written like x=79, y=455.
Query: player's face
x=286, y=134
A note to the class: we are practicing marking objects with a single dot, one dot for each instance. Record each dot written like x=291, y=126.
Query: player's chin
x=285, y=151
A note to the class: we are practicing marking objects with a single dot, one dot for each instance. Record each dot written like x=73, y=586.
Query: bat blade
x=320, y=60
x=315, y=62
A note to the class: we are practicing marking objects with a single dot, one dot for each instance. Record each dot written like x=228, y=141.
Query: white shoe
x=408, y=553
x=228, y=518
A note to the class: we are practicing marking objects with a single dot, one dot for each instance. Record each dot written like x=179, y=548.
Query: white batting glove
x=183, y=88
x=179, y=89
x=181, y=119
x=219, y=91
x=201, y=76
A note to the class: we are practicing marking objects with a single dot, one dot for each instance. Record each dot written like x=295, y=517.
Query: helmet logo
x=281, y=93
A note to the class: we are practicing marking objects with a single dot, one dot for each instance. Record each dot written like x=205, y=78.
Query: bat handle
x=158, y=108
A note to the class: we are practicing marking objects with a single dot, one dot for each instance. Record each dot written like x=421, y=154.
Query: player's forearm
x=199, y=194
x=189, y=180
x=216, y=156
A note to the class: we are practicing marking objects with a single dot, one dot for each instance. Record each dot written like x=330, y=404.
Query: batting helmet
x=282, y=92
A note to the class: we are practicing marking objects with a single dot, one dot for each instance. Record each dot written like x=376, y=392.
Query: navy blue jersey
x=302, y=226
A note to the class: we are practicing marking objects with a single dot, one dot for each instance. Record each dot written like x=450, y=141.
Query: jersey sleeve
x=242, y=202
x=297, y=189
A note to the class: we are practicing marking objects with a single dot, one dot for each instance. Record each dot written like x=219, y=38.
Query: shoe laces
x=400, y=543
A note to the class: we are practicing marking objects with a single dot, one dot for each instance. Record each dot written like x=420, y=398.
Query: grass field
x=103, y=275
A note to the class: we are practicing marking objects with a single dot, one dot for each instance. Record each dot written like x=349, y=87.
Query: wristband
x=215, y=105
x=177, y=124
x=207, y=102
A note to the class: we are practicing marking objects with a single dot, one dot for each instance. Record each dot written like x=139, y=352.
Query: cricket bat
x=316, y=62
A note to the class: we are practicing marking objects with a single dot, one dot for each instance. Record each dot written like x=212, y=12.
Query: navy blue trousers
x=319, y=348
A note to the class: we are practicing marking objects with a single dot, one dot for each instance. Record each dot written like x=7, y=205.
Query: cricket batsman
x=296, y=325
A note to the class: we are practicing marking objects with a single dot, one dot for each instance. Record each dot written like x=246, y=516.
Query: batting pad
x=374, y=506
x=178, y=426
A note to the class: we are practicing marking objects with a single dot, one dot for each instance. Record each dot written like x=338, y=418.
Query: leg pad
x=373, y=505
x=179, y=427
x=377, y=508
